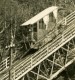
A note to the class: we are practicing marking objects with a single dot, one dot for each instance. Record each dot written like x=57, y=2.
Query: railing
x=43, y=53
x=5, y=76
x=68, y=19
x=4, y=64
x=19, y=70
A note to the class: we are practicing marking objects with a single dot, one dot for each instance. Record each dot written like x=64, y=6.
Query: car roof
x=39, y=16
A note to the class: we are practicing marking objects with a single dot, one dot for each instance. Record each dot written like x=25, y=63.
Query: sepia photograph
x=37, y=39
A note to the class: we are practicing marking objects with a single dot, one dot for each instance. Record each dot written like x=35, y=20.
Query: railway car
x=38, y=27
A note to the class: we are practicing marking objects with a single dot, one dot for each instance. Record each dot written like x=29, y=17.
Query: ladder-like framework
x=51, y=59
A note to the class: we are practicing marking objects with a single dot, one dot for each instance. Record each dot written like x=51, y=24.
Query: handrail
x=4, y=64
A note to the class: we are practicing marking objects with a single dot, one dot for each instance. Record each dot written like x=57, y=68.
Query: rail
x=4, y=64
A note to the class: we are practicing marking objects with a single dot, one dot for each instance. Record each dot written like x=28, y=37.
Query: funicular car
x=38, y=26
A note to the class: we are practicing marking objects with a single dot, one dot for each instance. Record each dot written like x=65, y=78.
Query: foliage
x=14, y=12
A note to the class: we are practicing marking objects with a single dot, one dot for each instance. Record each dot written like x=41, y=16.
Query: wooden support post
x=22, y=78
x=11, y=59
x=65, y=21
x=14, y=74
x=47, y=50
x=63, y=34
x=52, y=65
x=11, y=49
x=31, y=62
x=45, y=68
x=6, y=62
x=38, y=72
x=28, y=76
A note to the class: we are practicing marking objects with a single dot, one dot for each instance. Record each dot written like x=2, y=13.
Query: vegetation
x=14, y=12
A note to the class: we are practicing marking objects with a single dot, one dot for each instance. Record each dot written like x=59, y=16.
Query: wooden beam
x=62, y=69
x=38, y=72
x=54, y=63
x=39, y=75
